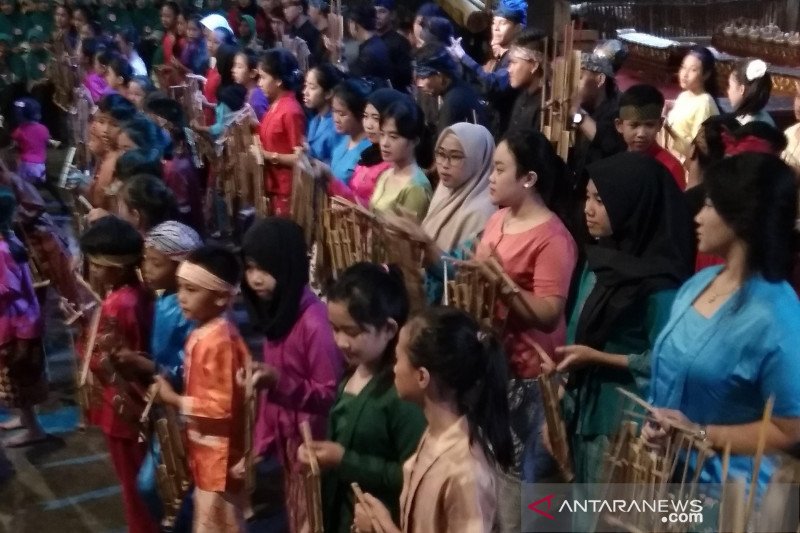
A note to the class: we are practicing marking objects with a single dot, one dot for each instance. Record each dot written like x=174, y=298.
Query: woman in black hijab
x=639, y=253
x=301, y=364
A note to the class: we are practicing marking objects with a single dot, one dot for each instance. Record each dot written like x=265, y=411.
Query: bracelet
x=702, y=435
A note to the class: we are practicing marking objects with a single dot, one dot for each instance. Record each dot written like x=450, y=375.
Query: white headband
x=203, y=278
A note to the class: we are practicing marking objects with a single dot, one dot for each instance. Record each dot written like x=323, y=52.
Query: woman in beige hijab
x=460, y=205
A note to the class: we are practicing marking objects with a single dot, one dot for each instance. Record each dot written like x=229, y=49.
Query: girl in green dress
x=371, y=430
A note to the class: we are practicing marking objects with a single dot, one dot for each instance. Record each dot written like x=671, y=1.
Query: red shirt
x=128, y=312
x=282, y=129
x=671, y=162
x=213, y=81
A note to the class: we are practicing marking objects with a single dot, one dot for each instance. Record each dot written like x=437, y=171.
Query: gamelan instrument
x=241, y=167
x=308, y=198
x=336, y=29
x=312, y=482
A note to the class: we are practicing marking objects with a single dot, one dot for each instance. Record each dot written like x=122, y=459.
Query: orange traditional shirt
x=214, y=405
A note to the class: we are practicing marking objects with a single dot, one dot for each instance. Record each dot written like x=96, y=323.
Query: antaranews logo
x=673, y=511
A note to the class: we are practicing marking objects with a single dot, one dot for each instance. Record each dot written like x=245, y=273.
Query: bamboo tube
x=762, y=441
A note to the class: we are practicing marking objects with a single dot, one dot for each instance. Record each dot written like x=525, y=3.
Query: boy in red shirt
x=640, y=121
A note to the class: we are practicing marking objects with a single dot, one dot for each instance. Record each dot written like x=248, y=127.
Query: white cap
x=214, y=21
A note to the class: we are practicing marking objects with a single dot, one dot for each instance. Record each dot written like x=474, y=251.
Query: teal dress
x=592, y=406
x=378, y=431
x=722, y=369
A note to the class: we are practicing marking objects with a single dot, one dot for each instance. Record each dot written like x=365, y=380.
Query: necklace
x=713, y=298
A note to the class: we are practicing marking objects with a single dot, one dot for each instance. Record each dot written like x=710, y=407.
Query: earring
x=528, y=185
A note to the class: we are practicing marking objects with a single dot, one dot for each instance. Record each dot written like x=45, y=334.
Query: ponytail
x=472, y=365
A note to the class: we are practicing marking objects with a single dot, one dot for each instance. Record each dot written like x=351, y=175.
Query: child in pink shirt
x=31, y=138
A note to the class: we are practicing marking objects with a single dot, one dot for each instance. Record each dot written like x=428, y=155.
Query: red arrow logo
x=549, y=499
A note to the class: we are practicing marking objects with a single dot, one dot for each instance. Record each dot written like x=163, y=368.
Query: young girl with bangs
x=371, y=431
x=404, y=186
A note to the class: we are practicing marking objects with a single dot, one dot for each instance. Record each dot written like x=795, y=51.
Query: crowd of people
x=660, y=257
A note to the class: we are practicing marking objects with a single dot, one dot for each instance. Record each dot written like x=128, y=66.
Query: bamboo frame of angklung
x=312, y=482
x=172, y=473
x=241, y=172
x=566, y=72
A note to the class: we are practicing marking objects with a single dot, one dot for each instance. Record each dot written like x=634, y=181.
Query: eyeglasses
x=453, y=158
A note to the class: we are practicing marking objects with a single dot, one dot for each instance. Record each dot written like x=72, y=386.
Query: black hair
x=150, y=196
x=117, y=106
x=756, y=195
x=143, y=132
x=363, y=15
x=136, y=162
x=129, y=35
x=111, y=236
x=439, y=27
x=533, y=152
x=174, y=6
x=429, y=9
x=373, y=295
x=437, y=56
x=145, y=83
x=251, y=58
x=459, y=357
x=226, y=53
x=709, y=145
x=89, y=48
x=408, y=119
x=282, y=65
x=533, y=39
x=353, y=92
x=65, y=7
x=218, y=260
x=233, y=96
x=328, y=76
x=708, y=62
x=762, y=130
x=121, y=68
x=105, y=55
x=641, y=95
x=756, y=92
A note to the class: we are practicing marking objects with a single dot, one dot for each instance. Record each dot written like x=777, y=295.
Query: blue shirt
x=322, y=137
x=170, y=331
x=722, y=369
x=344, y=159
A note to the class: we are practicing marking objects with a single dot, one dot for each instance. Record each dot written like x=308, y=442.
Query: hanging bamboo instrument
x=565, y=78
x=556, y=429
x=249, y=424
x=305, y=191
x=470, y=289
x=312, y=482
x=172, y=474
x=352, y=234
x=336, y=29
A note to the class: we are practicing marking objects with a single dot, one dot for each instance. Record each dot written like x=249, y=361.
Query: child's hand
x=263, y=376
x=329, y=454
x=166, y=394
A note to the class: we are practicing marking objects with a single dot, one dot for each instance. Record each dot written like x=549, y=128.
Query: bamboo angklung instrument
x=172, y=474
x=336, y=29
x=565, y=77
x=554, y=418
x=303, y=205
x=249, y=424
x=312, y=482
x=238, y=165
x=654, y=475
x=353, y=234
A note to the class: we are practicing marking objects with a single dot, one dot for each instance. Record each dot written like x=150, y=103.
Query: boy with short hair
x=213, y=403
x=114, y=250
x=639, y=122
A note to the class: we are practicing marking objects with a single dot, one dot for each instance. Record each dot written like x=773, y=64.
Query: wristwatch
x=577, y=118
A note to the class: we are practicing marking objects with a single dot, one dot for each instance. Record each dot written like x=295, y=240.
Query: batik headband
x=173, y=239
x=203, y=278
x=119, y=261
x=526, y=54
x=638, y=113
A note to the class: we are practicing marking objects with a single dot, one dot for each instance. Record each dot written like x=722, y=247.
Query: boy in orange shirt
x=640, y=121
x=213, y=404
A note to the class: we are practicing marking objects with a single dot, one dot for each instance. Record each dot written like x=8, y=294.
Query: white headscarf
x=457, y=215
x=214, y=21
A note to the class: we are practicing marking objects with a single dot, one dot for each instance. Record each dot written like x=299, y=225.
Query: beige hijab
x=457, y=215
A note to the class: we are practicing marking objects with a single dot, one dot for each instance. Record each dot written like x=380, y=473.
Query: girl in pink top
x=31, y=138
x=538, y=253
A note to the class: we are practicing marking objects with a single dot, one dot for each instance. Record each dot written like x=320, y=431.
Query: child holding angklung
x=113, y=249
x=213, y=404
x=23, y=380
x=165, y=246
x=371, y=431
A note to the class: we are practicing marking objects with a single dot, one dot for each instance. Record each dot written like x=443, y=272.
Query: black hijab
x=651, y=246
x=276, y=245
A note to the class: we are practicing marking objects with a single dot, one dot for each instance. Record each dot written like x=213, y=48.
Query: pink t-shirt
x=540, y=260
x=31, y=137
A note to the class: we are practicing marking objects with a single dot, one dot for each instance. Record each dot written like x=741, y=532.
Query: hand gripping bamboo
x=312, y=482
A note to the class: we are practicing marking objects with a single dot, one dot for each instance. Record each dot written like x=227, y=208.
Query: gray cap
x=595, y=63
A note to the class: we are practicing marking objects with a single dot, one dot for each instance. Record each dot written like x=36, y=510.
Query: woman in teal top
x=733, y=337
x=371, y=430
x=638, y=253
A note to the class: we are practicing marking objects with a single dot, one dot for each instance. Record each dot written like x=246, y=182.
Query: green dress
x=378, y=431
x=592, y=406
